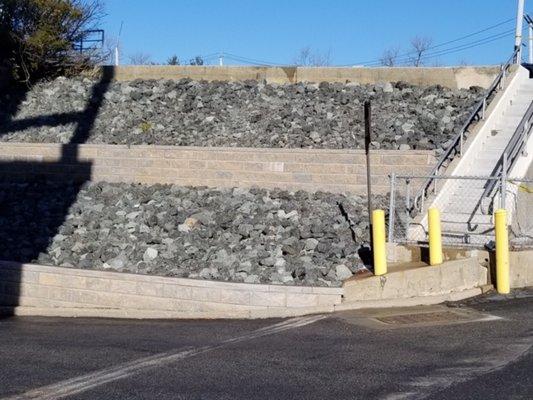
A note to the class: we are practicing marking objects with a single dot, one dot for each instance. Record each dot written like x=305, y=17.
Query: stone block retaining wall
x=338, y=171
x=454, y=78
x=111, y=294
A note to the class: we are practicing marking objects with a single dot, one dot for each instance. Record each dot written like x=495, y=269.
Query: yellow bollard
x=435, y=238
x=378, y=242
x=502, y=252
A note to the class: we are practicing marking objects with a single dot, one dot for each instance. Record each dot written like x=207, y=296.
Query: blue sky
x=353, y=32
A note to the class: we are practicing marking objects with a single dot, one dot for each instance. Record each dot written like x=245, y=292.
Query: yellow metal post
x=378, y=242
x=435, y=237
x=502, y=252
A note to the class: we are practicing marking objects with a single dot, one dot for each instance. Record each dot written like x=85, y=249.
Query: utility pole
x=221, y=59
x=117, y=55
x=529, y=21
x=518, y=34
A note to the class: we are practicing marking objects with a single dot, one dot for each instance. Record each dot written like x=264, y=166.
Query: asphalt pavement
x=476, y=349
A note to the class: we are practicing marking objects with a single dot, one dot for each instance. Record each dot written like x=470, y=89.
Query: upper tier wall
x=338, y=171
x=451, y=77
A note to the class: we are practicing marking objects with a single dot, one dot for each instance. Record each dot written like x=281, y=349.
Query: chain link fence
x=466, y=204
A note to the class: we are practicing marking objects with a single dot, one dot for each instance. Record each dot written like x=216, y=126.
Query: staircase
x=467, y=204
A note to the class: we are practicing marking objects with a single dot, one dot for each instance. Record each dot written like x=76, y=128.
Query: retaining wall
x=451, y=77
x=339, y=171
x=418, y=281
x=521, y=268
x=68, y=291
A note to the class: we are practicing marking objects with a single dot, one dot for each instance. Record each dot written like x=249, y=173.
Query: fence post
x=391, y=207
x=378, y=245
x=503, y=186
x=502, y=252
x=435, y=237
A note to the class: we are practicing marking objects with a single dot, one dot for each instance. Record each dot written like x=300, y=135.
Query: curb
x=411, y=301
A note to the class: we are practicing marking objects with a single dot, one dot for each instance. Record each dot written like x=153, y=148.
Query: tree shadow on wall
x=35, y=196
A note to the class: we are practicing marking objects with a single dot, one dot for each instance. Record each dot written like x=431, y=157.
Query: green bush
x=38, y=36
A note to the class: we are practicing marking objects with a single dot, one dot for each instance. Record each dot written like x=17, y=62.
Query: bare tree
x=390, y=57
x=420, y=45
x=141, y=59
x=174, y=60
x=43, y=38
x=309, y=58
x=198, y=60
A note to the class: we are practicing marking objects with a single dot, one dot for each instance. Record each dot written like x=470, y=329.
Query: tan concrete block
x=268, y=299
x=196, y=164
x=301, y=177
x=62, y=280
x=329, y=300
x=113, y=152
x=363, y=289
x=234, y=156
x=113, y=300
x=234, y=296
x=471, y=271
x=257, y=166
x=317, y=168
x=268, y=157
x=78, y=296
x=107, y=162
x=205, y=294
x=98, y=284
x=147, y=303
x=423, y=281
x=136, y=162
x=225, y=165
x=275, y=166
x=335, y=179
x=295, y=300
x=452, y=280
x=87, y=152
x=150, y=289
x=407, y=160
x=122, y=286
x=177, y=291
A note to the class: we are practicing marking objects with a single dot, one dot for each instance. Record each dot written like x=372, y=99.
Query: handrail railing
x=456, y=147
x=508, y=159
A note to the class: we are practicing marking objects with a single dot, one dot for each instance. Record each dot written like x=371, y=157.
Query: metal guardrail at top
x=456, y=147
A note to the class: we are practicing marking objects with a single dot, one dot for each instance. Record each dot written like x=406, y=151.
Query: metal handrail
x=508, y=158
x=456, y=147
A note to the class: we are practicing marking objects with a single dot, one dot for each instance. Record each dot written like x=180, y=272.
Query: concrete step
x=413, y=280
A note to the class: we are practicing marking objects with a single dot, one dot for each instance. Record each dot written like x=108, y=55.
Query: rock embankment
x=240, y=235
x=239, y=114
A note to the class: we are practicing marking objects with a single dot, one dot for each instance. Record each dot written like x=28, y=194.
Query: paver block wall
x=339, y=171
x=114, y=294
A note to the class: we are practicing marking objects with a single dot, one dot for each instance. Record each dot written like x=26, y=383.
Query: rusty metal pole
x=368, y=134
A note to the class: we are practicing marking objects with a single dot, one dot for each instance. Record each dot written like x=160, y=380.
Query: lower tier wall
x=122, y=295
x=338, y=171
